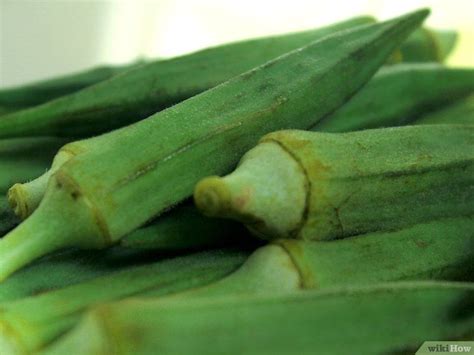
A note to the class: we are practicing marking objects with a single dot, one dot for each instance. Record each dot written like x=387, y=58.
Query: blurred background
x=44, y=38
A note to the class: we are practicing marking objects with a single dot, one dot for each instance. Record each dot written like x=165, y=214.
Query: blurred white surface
x=43, y=38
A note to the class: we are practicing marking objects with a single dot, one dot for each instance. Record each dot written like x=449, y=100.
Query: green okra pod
x=398, y=95
x=460, y=112
x=29, y=324
x=381, y=319
x=441, y=250
x=33, y=94
x=395, y=96
x=316, y=186
x=428, y=45
x=87, y=203
x=143, y=91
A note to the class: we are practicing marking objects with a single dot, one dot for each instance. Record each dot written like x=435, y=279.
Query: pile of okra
x=310, y=192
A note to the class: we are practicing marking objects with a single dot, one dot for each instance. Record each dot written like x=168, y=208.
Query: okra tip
x=212, y=197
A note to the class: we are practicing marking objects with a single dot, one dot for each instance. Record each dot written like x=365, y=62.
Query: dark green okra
x=29, y=324
x=382, y=319
x=33, y=94
x=398, y=95
x=87, y=202
x=460, y=112
x=183, y=228
x=395, y=96
x=316, y=186
x=428, y=45
x=154, y=86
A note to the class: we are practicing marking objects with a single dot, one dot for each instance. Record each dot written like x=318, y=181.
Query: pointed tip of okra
x=17, y=199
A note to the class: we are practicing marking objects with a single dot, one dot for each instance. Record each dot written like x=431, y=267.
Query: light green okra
x=317, y=186
x=152, y=87
x=37, y=93
x=441, y=250
x=29, y=324
x=398, y=95
x=395, y=96
x=460, y=112
x=382, y=319
x=88, y=202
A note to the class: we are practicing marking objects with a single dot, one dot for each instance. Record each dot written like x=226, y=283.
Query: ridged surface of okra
x=398, y=95
x=395, y=96
x=381, y=319
x=312, y=185
x=154, y=86
x=438, y=250
x=29, y=324
x=33, y=94
x=89, y=203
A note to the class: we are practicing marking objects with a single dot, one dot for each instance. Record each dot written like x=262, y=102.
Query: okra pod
x=428, y=45
x=460, y=112
x=388, y=318
x=317, y=186
x=398, y=95
x=33, y=94
x=87, y=203
x=440, y=250
x=140, y=92
x=29, y=324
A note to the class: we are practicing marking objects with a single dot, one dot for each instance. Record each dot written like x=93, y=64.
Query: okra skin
x=37, y=93
x=395, y=96
x=141, y=92
x=305, y=322
x=203, y=135
x=398, y=95
x=460, y=112
x=438, y=250
x=319, y=186
x=428, y=45
x=29, y=324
